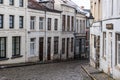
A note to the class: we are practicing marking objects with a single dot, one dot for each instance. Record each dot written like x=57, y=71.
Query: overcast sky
x=85, y=3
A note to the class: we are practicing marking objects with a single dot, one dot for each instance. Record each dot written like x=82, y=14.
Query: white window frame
x=41, y=22
x=32, y=46
x=104, y=44
x=118, y=50
x=32, y=22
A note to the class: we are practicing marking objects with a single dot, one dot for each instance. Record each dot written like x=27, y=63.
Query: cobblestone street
x=55, y=71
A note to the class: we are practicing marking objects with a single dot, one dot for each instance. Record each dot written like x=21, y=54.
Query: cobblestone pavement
x=97, y=74
x=55, y=71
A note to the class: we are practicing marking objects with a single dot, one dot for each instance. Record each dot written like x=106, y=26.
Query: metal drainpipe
x=74, y=33
x=45, y=34
x=26, y=32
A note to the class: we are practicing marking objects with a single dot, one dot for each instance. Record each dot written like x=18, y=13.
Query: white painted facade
x=109, y=48
x=30, y=38
x=6, y=10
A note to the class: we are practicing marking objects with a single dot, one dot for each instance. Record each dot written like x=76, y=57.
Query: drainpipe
x=74, y=33
x=45, y=35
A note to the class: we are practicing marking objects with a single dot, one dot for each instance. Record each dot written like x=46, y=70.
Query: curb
x=93, y=78
x=30, y=64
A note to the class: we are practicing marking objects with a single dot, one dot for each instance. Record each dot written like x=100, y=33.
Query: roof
x=74, y=5
x=33, y=4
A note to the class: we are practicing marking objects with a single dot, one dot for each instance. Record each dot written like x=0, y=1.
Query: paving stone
x=55, y=71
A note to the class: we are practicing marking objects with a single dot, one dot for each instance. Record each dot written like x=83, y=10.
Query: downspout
x=74, y=33
x=25, y=22
x=45, y=35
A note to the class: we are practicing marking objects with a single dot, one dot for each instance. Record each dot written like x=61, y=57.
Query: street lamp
x=90, y=19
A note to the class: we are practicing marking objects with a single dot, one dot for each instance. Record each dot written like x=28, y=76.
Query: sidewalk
x=98, y=75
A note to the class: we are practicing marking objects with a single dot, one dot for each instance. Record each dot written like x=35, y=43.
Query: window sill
x=3, y=59
x=19, y=56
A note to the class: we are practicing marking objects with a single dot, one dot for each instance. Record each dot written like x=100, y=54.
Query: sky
x=85, y=3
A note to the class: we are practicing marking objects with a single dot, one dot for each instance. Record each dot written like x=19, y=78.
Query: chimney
x=82, y=7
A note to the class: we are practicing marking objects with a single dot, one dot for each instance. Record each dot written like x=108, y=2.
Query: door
x=41, y=40
x=67, y=48
x=97, y=51
x=82, y=48
x=110, y=53
x=49, y=49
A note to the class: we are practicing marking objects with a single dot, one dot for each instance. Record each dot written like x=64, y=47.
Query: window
x=104, y=44
x=11, y=2
x=72, y=23
x=84, y=26
x=32, y=22
x=49, y=48
x=94, y=41
x=63, y=22
x=11, y=21
x=21, y=22
x=56, y=42
x=72, y=44
x=80, y=26
x=118, y=48
x=68, y=23
x=32, y=46
x=1, y=1
x=16, y=46
x=1, y=21
x=63, y=46
x=2, y=47
x=77, y=25
x=21, y=3
x=56, y=24
x=41, y=22
x=49, y=23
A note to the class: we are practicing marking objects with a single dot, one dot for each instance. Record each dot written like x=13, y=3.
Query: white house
x=109, y=33
x=37, y=30
x=12, y=31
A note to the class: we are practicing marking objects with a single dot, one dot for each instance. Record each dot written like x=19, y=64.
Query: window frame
x=14, y=44
x=33, y=44
x=104, y=45
x=4, y=47
x=11, y=2
x=41, y=22
x=11, y=21
x=56, y=24
x=21, y=21
x=117, y=49
x=63, y=45
x=1, y=1
x=49, y=23
x=63, y=22
x=56, y=45
x=32, y=22
x=21, y=3
x=1, y=20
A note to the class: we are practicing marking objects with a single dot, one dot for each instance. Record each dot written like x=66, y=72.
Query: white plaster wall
x=17, y=11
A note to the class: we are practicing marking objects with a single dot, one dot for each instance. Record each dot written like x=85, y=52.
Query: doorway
x=67, y=55
x=49, y=49
x=41, y=41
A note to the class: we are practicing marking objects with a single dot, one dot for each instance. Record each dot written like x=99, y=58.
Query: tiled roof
x=33, y=4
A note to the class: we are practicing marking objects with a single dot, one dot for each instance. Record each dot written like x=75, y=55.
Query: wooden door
x=49, y=49
x=41, y=40
x=67, y=53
